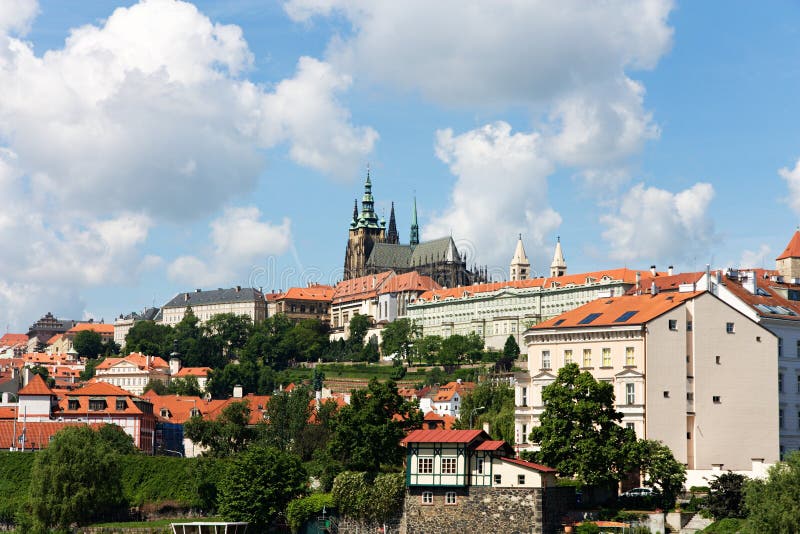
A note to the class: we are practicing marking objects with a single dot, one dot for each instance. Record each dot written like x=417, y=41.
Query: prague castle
x=372, y=248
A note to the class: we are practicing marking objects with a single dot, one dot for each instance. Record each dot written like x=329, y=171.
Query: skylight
x=589, y=318
x=558, y=322
x=625, y=316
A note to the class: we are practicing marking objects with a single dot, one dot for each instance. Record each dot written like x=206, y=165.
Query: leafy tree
x=307, y=340
x=158, y=386
x=287, y=416
x=44, y=373
x=75, y=480
x=117, y=439
x=231, y=330
x=111, y=348
x=359, y=324
x=228, y=434
x=492, y=403
x=89, y=368
x=427, y=348
x=372, y=499
x=397, y=339
x=773, y=505
x=150, y=338
x=88, y=343
x=579, y=434
x=367, y=432
x=267, y=343
x=195, y=347
x=254, y=377
x=457, y=349
x=259, y=485
x=663, y=471
x=510, y=354
x=726, y=496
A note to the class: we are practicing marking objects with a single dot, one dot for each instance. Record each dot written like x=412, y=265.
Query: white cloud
x=151, y=104
x=239, y=239
x=500, y=191
x=755, y=258
x=792, y=177
x=17, y=15
x=659, y=226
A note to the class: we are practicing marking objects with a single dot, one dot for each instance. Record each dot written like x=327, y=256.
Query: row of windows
x=780, y=383
x=449, y=497
x=730, y=328
x=425, y=465
x=605, y=354
x=780, y=348
x=782, y=419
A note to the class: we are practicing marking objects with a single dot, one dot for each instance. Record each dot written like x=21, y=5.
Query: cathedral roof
x=386, y=255
x=438, y=250
x=360, y=288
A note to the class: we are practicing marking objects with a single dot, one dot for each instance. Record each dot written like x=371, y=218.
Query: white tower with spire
x=559, y=265
x=520, y=267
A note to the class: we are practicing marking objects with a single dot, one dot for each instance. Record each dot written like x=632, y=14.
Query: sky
x=154, y=147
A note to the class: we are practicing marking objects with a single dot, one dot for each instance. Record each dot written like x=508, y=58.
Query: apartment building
x=206, y=304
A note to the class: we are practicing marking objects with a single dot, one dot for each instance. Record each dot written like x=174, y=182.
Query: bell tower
x=365, y=231
x=520, y=268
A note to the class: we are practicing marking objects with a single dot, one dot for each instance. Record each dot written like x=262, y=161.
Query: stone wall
x=479, y=509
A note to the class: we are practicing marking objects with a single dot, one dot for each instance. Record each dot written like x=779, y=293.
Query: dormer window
x=73, y=404
x=165, y=413
x=121, y=403
x=195, y=412
x=97, y=404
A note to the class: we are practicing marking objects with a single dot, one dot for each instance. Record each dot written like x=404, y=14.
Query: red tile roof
x=764, y=304
x=490, y=445
x=13, y=339
x=137, y=359
x=610, y=311
x=100, y=328
x=360, y=288
x=315, y=293
x=194, y=371
x=54, y=339
x=443, y=436
x=36, y=386
x=523, y=463
x=37, y=434
x=412, y=281
x=792, y=250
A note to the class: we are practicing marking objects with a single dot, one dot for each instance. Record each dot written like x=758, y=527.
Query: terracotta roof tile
x=315, y=293
x=360, y=288
x=36, y=386
x=194, y=371
x=13, y=339
x=792, y=250
x=37, y=434
x=523, y=463
x=412, y=281
x=137, y=359
x=490, y=445
x=100, y=328
x=443, y=436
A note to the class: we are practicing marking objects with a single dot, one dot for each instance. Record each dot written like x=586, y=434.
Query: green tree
x=158, y=386
x=226, y=435
x=359, y=324
x=510, y=354
x=186, y=386
x=111, y=348
x=427, y=348
x=773, y=504
x=89, y=368
x=663, y=471
x=287, y=416
x=88, y=343
x=397, y=339
x=267, y=343
x=458, y=349
x=367, y=432
x=44, y=373
x=231, y=330
x=117, y=439
x=579, y=434
x=259, y=485
x=491, y=403
x=75, y=480
x=150, y=338
x=726, y=496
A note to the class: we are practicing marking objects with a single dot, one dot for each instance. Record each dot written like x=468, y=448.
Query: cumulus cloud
x=17, y=15
x=490, y=162
x=792, y=177
x=755, y=258
x=152, y=103
x=653, y=224
x=239, y=239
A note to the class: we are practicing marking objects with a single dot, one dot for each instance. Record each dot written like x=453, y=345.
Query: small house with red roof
x=457, y=478
x=133, y=372
x=298, y=303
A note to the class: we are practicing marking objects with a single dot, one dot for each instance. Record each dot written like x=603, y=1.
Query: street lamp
x=472, y=414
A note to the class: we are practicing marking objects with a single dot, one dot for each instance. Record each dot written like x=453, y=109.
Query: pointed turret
x=788, y=263
x=354, y=222
x=414, y=225
x=559, y=265
x=520, y=267
x=392, y=236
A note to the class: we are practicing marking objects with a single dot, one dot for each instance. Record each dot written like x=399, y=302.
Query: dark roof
x=388, y=256
x=215, y=296
x=443, y=249
x=149, y=314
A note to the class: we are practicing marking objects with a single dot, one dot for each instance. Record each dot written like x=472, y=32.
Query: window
x=545, y=359
x=718, y=360
x=688, y=435
x=798, y=383
x=589, y=318
x=689, y=326
x=716, y=399
x=479, y=466
x=630, y=393
x=780, y=347
x=524, y=396
x=450, y=497
x=424, y=466
x=666, y=394
x=780, y=382
x=449, y=466
x=629, y=426
x=121, y=404
x=567, y=356
x=673, y=324
x=625, y=316
x=780, y=417
x=521, y=480
x=729, y=328
x=606, y=357
x=427, y=497
x=629, y=356
x=690, y=396
x=498, y=479
x=97, y=404
x=798, y=348
x=587, y=357
x=75, y=404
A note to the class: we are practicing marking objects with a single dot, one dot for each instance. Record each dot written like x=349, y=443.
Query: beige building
x=206, y=304
x=687, y=369
x=133, y=372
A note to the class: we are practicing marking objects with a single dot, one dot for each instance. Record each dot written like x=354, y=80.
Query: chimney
x=653, y=289
x=638, y=283
x=238, y=288
x=653, y=270
x=486, y=427
x=148, y=360
x=197, y=290
x=669, y=270
x=749, y=282
x=237, y=391
x=186, y=297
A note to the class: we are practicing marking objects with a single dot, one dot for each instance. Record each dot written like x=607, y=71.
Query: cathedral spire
x=520, y=266
x=392, y=236
x=559, y=265
x=414, y=226
x=370, y=219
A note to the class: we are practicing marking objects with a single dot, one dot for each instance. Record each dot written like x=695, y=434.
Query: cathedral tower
x=365, y=231
x=559, y=265
x=414, y=226
x=520, y=267
x=392, y=236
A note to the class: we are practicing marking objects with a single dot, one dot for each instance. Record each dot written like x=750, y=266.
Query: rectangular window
x=450, y=497
x=498, y=479
x=729, y=328
x=629, y=426
x=629, y=356
x=521, y=480
x=630, y=393
x=545, y=359
x=587, y=357
x=479, y=466
x=780, y=347
x=780, y=417
x=606, y=357
x=524, y=396
x=666, y=394
x=716, y=399
x=427, y=497
x=524, y=434
x=97, y=404
x=673, y=324
x=689, y=326
x=798, y=348
x=567, y=356
x=449, y=466
x=424, y=466
x=780, y=382
x=798, y=383
x=74, y=404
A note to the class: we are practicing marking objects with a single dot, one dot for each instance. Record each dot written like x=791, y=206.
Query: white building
x=206, y=304
x=132, y=372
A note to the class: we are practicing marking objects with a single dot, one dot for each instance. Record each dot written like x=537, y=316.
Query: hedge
x=358, y=497
x=304, y=509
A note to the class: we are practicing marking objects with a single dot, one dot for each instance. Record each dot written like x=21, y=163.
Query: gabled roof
x=792, y=250
x=389, y=256
x=100, y=328
x=194, y=371
x=54, y=339
x=13, y=339
x=444, y=436
x=315, y=293
x=37, y=434
x=530, y=465
x=618, y=311
x=100, y=389
x=411, y=281
x=215, y=296
x=36, y=386
x=490, y=445
x=767, y=302
x=438, y=250
x=360, y=288
x=137, y=359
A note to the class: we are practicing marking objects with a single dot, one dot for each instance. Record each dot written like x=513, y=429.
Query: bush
x=381, y=499
x=15, y=477
x=729, y=525
x=303, y=509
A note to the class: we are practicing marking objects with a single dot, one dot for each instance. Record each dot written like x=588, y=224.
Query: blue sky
x=167, y=146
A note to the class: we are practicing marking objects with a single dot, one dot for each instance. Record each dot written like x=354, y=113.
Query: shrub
x=303, y=509
x=355, y=496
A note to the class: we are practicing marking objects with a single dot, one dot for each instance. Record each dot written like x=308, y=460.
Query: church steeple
x=354, y=222
x=559, y=265
x=414, y=226
x=368, y=218
x=392, y=236
x=520, y=267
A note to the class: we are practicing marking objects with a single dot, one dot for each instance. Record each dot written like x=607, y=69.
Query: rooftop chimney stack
x=653, y=289
x=653, y=270
x=237, y=392
x=638, y=283
x=669, y=270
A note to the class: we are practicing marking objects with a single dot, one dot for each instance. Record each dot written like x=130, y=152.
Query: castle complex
x=372, y=249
